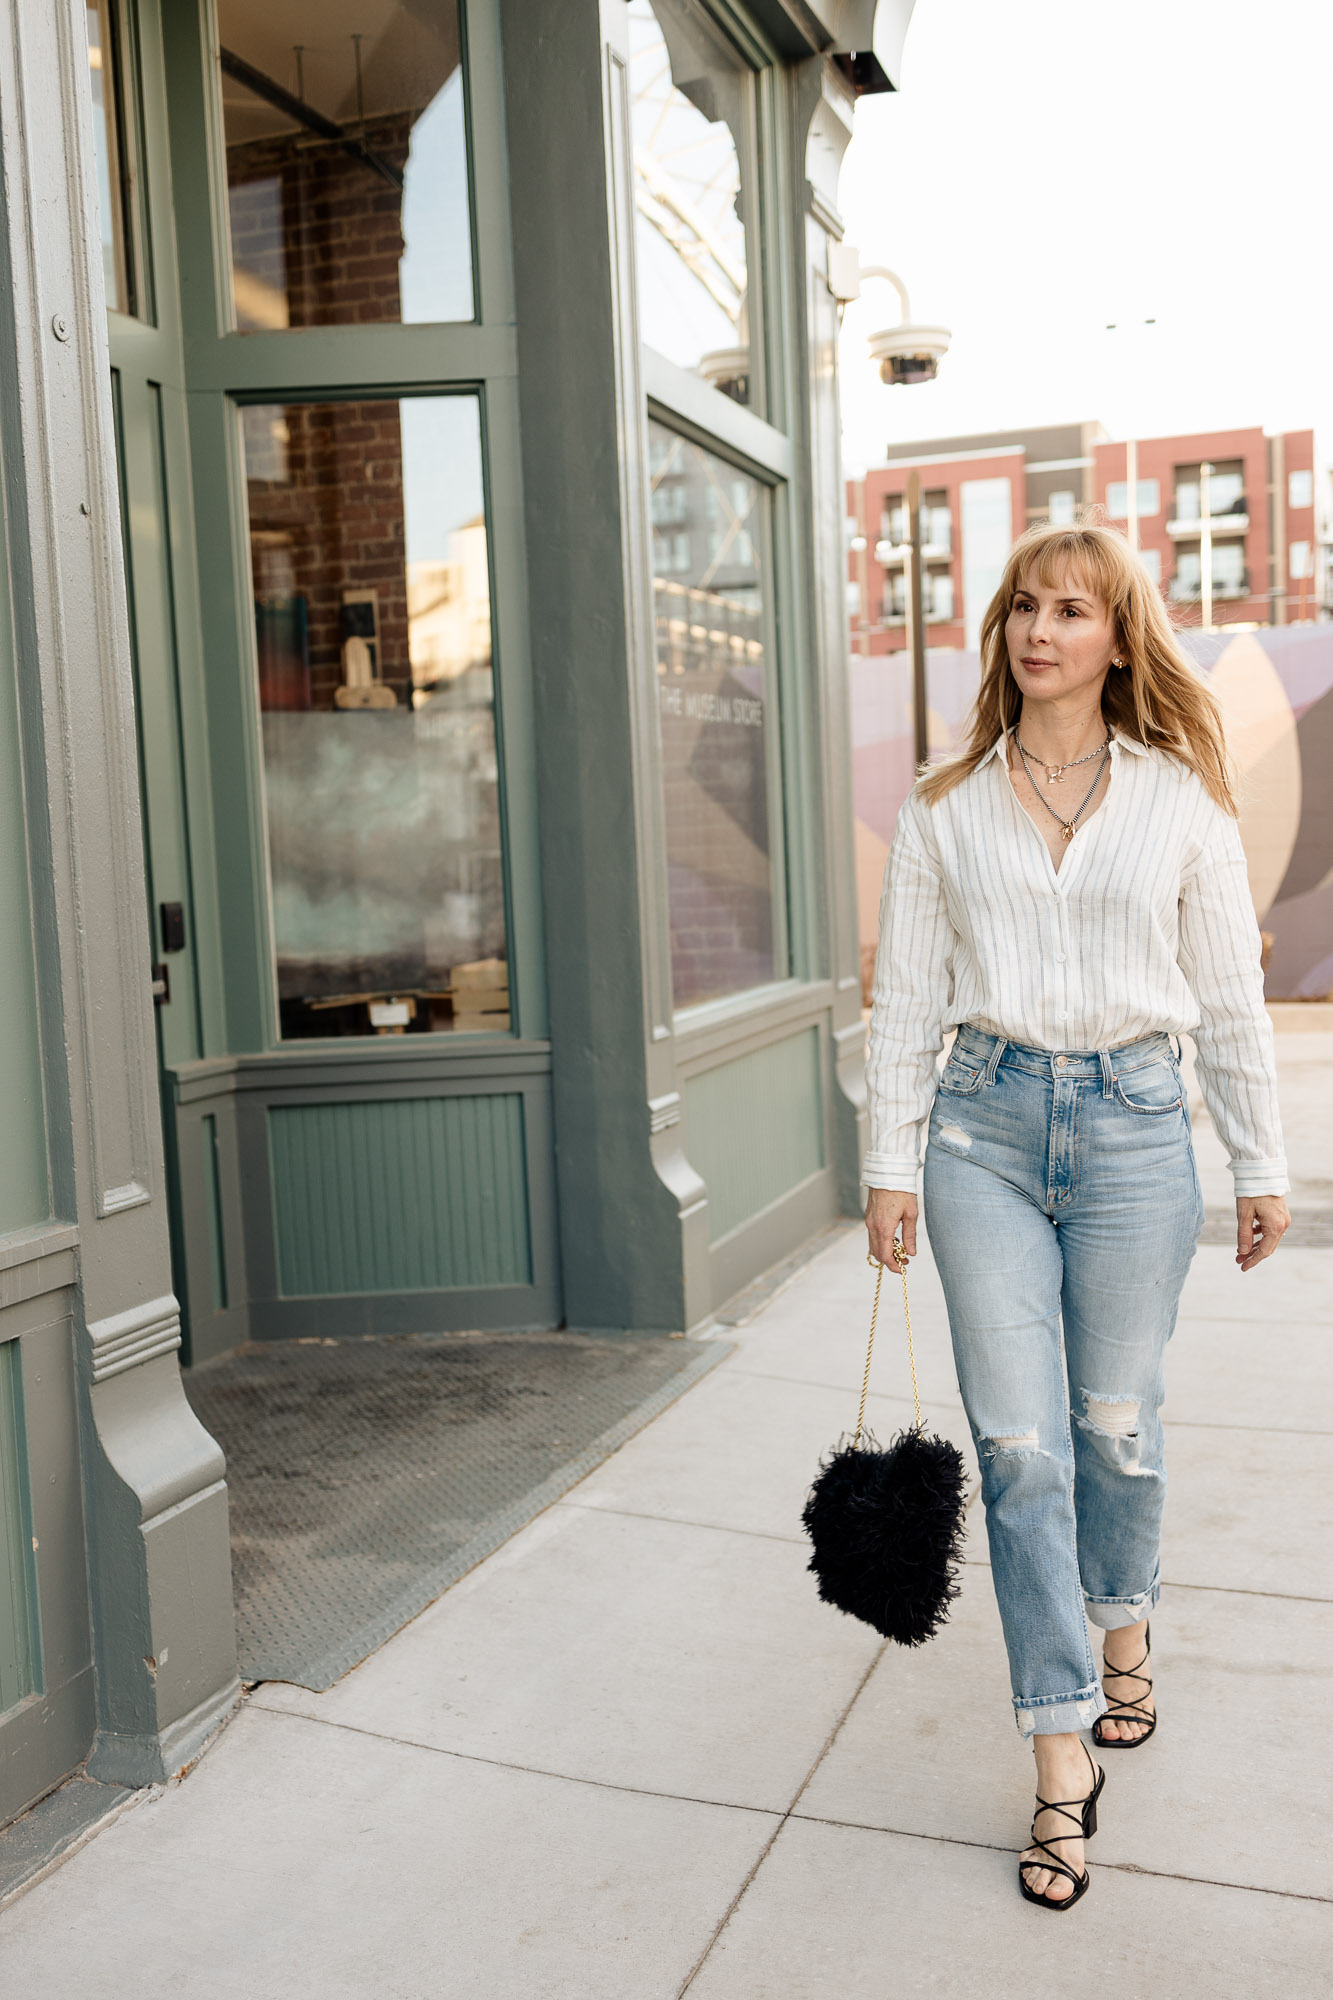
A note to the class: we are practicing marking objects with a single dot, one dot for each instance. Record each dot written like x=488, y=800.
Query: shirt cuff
x=1260, y=1177
x=890, y=1170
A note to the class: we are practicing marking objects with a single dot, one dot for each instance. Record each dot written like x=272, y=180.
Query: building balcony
x=1186, y=591
x=894, y=554
x=1182, y=529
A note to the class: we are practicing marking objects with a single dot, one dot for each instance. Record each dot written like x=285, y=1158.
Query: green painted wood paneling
x=754, y=1128
x=408, y=1194
x=24, y=1181
x=18, y=1585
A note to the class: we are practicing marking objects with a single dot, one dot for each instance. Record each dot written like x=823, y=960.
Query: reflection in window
x=690, y=234
x=715, y=695
x=373, y=642
x=1228, y=566
x=112, y=180
x=1148, y=493
x=346, y=162
x=1226, y=491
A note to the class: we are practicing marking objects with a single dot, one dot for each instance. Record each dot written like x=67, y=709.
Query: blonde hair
x=1157, y=698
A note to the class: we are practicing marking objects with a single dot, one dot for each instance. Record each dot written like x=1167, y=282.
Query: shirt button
x=1062, y=1016
x=1059, y=958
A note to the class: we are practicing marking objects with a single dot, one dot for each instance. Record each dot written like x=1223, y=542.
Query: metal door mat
x=366, y=1476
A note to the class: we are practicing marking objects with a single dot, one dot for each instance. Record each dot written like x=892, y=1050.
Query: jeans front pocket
x=962, y=1075
x=1153, y=1090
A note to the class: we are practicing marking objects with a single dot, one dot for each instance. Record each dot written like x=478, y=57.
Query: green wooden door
x=149, y=405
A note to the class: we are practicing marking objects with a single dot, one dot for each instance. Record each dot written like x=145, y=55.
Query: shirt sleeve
x=1219, y=951
x=911, y=997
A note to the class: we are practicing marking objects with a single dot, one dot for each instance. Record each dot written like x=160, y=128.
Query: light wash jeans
x=1063, y=1208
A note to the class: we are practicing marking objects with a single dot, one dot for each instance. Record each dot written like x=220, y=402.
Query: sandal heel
x=1090, y=1819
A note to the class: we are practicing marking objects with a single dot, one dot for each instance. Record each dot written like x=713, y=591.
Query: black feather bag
x=886, y=1525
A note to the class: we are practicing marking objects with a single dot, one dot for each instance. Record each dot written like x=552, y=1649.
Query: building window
x=1226, y=490
x=854, y=600
x=694, y=253
x=1148, y=495
x=1152, y=562
x=716, y=696
x=936, y=524
x=1229, y=578
x=347, y=172
x=1300, y=560
x=1300, y=489
x=114, y=191
x=895, y=597
x=895, y=521
x=938, y=597
x=371, y=579
x=1062, y=507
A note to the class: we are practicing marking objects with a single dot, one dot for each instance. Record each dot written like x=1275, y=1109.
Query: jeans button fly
x=1061, y=1062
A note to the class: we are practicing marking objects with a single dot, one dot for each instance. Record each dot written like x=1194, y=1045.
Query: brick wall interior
x=326, y=516
x=320, y=228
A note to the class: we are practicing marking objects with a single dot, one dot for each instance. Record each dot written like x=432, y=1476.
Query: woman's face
x=1060, y=638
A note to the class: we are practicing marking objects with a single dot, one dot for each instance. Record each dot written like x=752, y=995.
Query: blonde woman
x=1069, y=893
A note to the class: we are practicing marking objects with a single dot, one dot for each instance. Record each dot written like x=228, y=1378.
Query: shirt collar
x=1118, y=743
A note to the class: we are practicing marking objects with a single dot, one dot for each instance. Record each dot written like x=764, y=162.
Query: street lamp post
x=916, y=621
x=1205, y=548
x=909, y=353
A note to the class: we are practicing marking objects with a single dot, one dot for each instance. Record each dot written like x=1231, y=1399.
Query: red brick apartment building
x=1268, y=526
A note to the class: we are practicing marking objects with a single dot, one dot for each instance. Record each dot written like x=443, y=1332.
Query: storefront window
x=693, y=262
x=347, y=166
x=718, y=719
x=373, y=643
x=112, y=180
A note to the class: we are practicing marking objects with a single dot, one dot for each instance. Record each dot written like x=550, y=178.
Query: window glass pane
x=1062, y=508
x=1300, y=489
x=693, y=261
x=1149, y=499
x=346, y=161
x=719, y=719
x=103, y=75
x=373, y=641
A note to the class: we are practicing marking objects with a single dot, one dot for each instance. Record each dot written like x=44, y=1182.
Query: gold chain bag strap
x=886, y=1525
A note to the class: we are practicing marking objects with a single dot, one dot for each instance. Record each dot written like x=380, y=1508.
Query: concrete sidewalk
x=631, y=1755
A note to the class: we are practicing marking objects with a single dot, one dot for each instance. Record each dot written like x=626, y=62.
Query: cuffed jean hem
x=1112, y=1612
x=1059, y=1714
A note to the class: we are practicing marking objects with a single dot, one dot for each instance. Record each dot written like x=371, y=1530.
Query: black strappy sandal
x=1083, y=1813
x=1128, y=1711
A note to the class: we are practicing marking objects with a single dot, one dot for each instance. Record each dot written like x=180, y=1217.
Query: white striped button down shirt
x=1147, y=926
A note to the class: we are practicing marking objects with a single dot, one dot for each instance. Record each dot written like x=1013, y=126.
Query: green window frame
x=755, y=438
x=228, y=369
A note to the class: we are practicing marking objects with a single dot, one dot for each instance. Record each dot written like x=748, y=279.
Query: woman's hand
x=1270, y=1213
x=886, y=1209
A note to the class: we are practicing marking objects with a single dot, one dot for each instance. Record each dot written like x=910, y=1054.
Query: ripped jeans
x=1063, y=1207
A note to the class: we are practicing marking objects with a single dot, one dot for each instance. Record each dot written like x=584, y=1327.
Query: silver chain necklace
x=1070, y=825
x=1054, y=772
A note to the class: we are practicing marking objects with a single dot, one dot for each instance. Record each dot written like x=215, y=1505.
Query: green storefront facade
x=425, y=833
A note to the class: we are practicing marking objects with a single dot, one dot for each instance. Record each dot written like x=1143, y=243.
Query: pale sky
x=1048, y=166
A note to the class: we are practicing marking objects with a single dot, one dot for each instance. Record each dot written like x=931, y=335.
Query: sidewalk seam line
x=679, y=1521
x=1114, y=1867
x=527, y=1770
x=1218, y=1589
x=767, y=1848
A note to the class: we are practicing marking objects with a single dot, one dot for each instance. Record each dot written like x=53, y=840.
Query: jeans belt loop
x=995, y=1055
x=1108, y=1074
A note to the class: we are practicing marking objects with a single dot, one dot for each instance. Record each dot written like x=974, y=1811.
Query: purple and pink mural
x=1275, y=687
